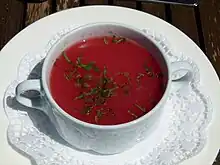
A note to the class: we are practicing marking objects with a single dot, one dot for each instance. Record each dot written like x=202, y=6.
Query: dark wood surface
x=210, y=26
x=184, y=18
x=201, y=24
x=155, y=9
x=12, y=18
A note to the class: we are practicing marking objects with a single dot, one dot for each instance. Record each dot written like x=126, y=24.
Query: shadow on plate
x=39, y=119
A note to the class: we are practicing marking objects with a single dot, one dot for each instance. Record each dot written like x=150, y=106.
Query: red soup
x=106, y=81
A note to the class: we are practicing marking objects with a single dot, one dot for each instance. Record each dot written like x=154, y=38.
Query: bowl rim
x=95, y=126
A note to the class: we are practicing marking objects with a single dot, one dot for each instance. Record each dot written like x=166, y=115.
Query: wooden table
x=199, y=23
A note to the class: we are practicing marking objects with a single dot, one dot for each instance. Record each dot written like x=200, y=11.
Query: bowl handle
x=180, y=69
x=29, y=93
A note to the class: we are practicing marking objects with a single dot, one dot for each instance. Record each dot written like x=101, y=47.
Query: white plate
x=35, y=37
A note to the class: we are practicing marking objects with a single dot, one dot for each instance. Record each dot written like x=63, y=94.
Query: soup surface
x=106, y=81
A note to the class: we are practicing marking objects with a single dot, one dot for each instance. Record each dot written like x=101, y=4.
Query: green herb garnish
x=139, y=77
x=114, y=40
x=67, y=58
x=139, y=107
x=78, y=60
x=93, y=91
x=67, y=76
x=88, y=77
x=148, y=71
x=105, y=40
x=132, y=114
x=105, y=71
x=99, y=114
x=95, y=68
x=81, y=96
x=87, y=110
x=118, y=40
x=100, y=100
x=96, y=94
x=87, y=67
x=104, y=79
x=86, y=85
x=150, y=74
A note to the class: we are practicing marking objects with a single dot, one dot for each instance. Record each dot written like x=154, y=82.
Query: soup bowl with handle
x=103, y=139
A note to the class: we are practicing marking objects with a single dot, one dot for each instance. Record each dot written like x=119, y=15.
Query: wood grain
x=154, y=9
x=66, y=4
x=15, y=14
x=36, y=11
x=11, y=19
x=125, y=3
x=96, y=2
x=210, y=21
x=184, y=18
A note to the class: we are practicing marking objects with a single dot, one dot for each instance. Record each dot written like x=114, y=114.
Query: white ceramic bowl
x=102, y=139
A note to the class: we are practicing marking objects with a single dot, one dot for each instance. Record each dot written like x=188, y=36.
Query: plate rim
x=3, y=52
